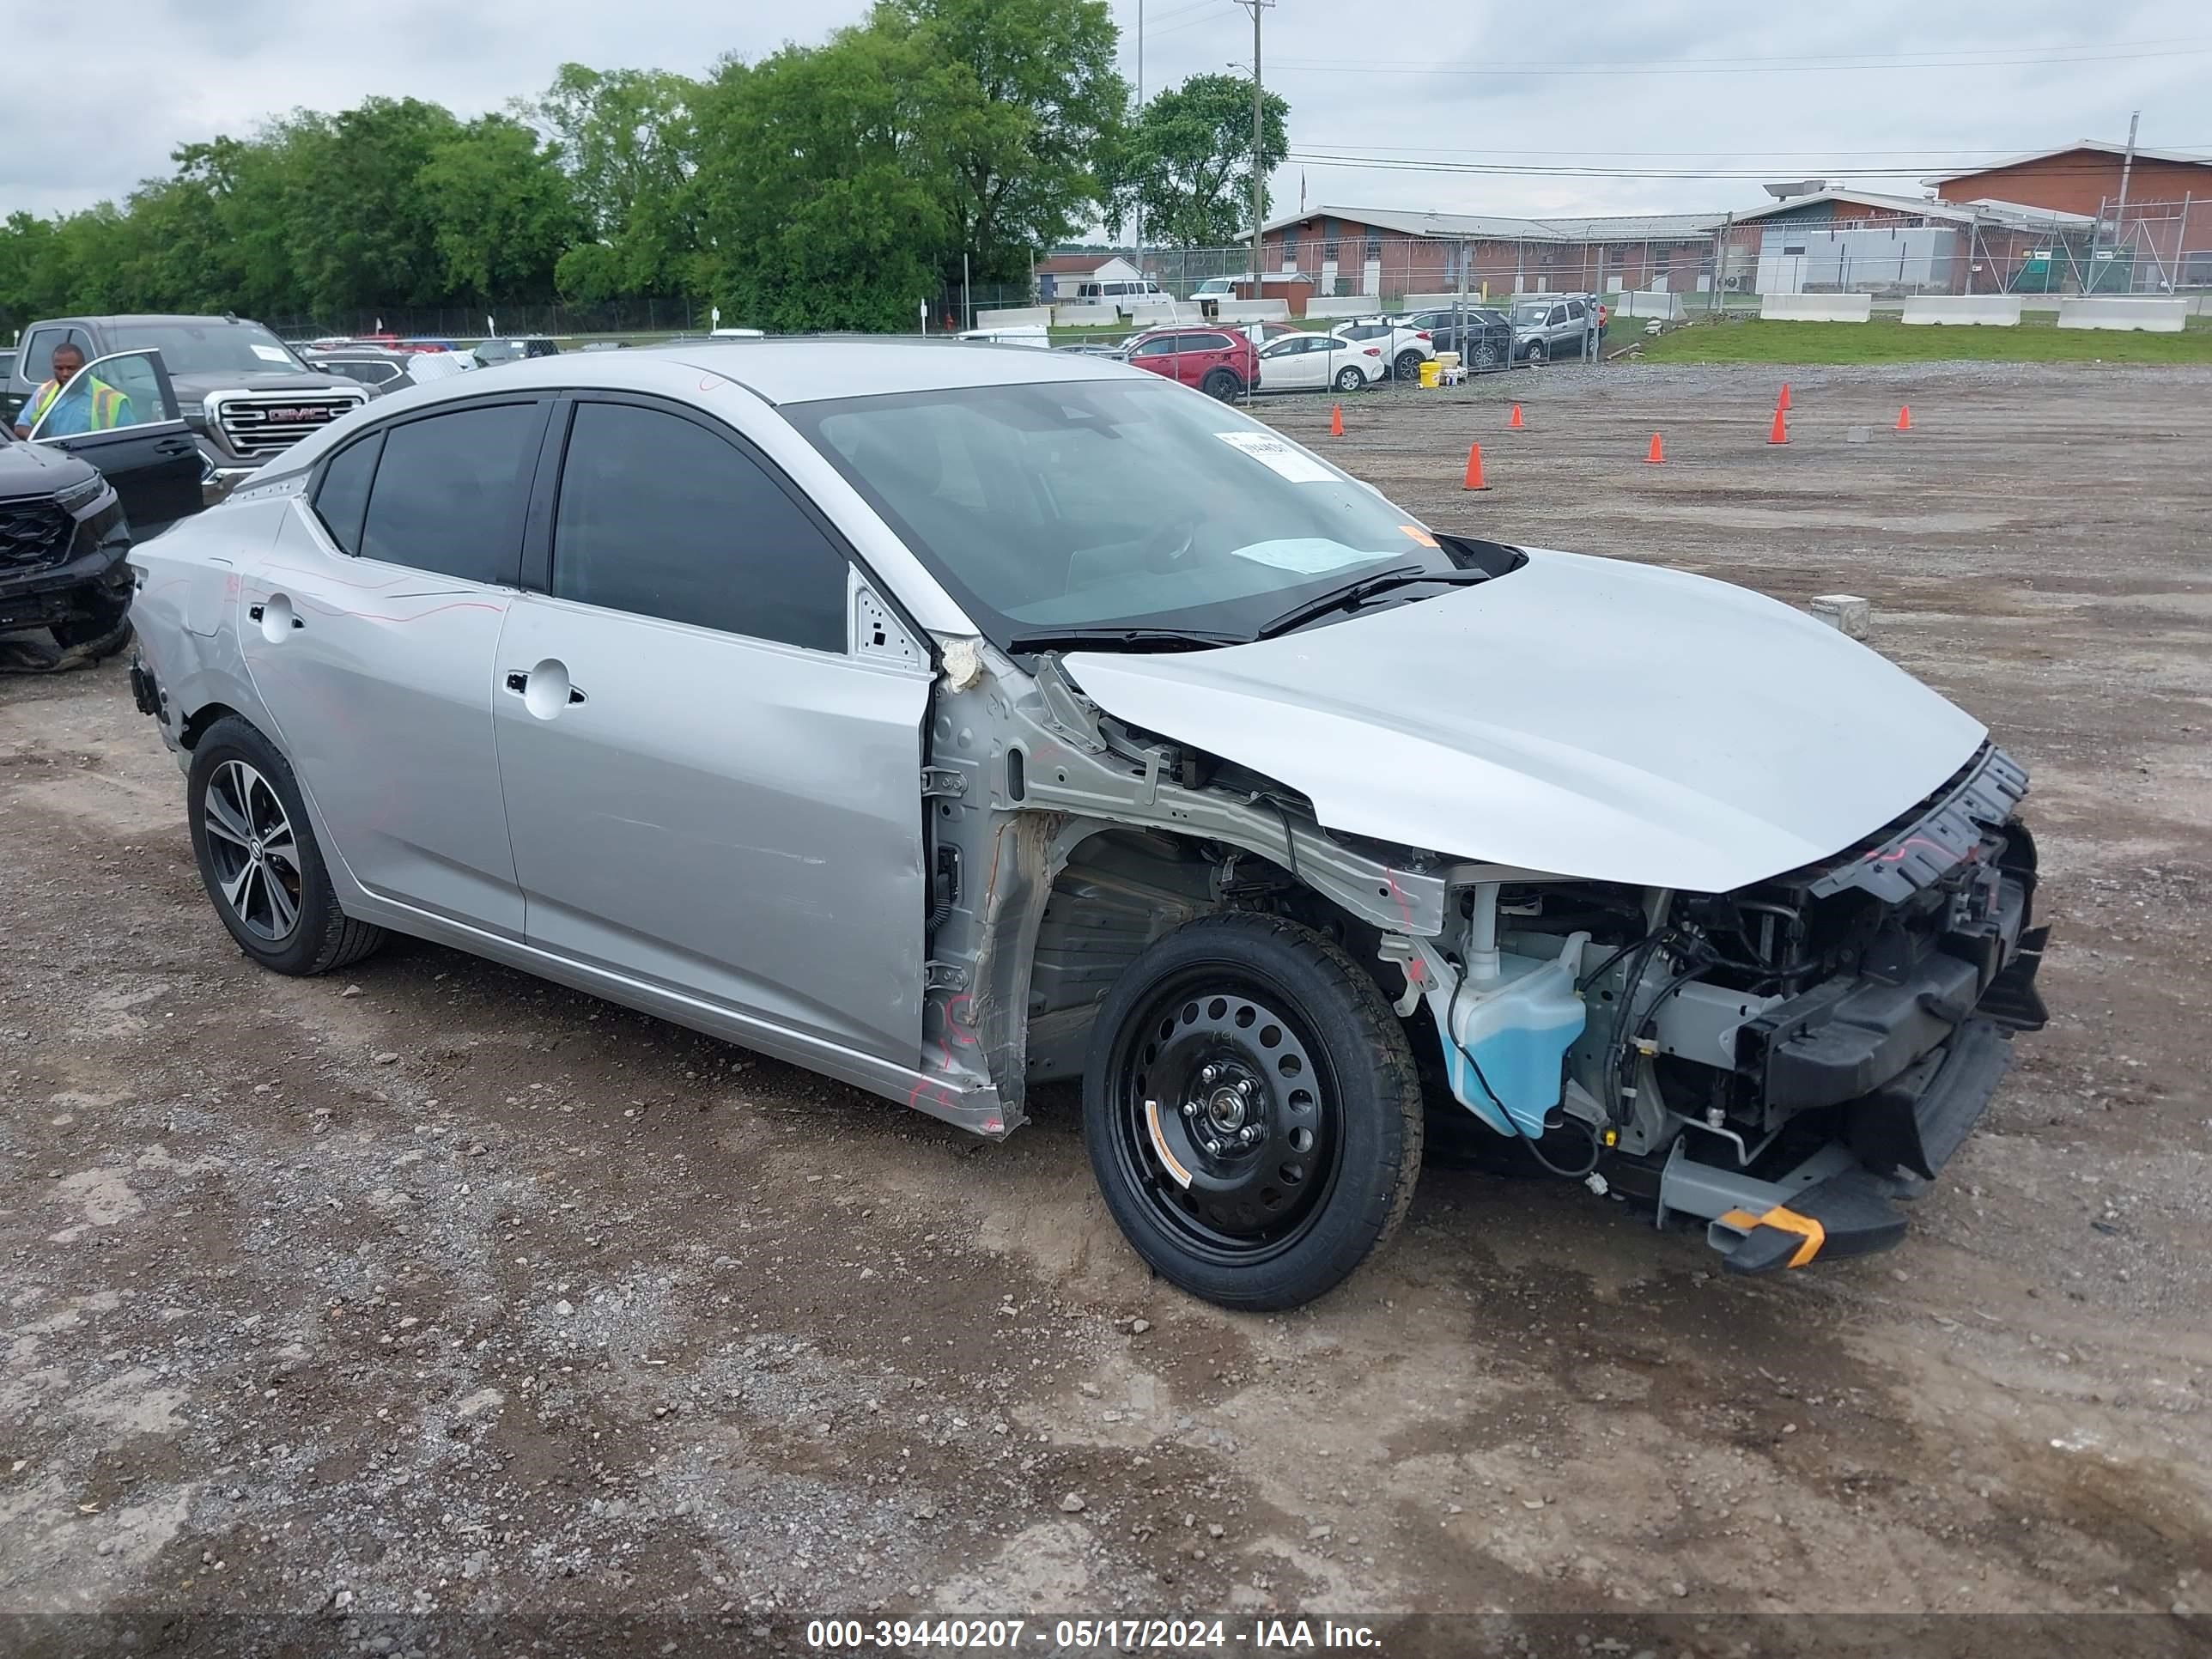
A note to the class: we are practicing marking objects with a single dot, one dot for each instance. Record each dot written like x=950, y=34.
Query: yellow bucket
x=1431, y=373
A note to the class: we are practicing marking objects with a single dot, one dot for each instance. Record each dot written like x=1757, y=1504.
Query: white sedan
x=1404, y=349
x=1304, y=362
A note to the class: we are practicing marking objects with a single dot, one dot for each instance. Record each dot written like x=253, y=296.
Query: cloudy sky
x=1463, y=105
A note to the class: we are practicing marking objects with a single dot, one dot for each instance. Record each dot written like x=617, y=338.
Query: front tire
x=1536, y=358
x=1252, y=1111
x=258, y=857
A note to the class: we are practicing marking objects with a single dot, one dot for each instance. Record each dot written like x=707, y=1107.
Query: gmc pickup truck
x=242, y=394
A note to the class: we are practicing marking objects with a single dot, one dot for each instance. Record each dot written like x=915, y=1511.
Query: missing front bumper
x=1841, y=1201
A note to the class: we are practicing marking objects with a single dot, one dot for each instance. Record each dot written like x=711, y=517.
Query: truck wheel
x=1252, y=1111
x=258, y=857
x=1224, y=384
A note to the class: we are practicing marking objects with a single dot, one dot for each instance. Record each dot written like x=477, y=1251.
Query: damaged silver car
x=951, y=720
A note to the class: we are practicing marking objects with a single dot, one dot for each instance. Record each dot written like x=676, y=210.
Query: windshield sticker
x=271, y=354
x=1418, y=534
x=1305, y=555
x=1278, y=457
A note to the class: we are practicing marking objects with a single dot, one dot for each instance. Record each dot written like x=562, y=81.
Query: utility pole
x=1140, y=116
x=2120, y=212
x=1258, y=8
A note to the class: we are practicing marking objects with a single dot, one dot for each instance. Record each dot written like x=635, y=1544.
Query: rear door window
x=342, y=493
x=450, y=491
x=658, y=516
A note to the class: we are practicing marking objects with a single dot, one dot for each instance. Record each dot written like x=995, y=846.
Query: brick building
x=1868, y=241
x=1384, y=253
x=2165, y=232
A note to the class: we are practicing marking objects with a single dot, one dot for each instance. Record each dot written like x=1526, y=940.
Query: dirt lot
x=434, y=1290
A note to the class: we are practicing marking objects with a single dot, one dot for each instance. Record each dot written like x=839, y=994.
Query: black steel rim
x=1244, y=1102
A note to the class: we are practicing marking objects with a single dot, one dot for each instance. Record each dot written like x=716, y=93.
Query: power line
x=2189, y=47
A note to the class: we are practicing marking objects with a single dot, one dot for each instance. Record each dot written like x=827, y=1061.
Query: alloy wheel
x=256, y=855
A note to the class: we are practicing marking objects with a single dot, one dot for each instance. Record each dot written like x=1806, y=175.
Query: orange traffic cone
x=1517, y=420
x=1658, y=455
x=1905, y=417
x=1783, y=402
x=1781, y=433
x=1336, y=420
x=1474, y=467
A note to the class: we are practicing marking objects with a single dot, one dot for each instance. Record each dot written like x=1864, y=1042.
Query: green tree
x=1188, y=162
x=363, y=231
x=627, y=138
x=1019, y=101
x=819, y=199
x=504, y=208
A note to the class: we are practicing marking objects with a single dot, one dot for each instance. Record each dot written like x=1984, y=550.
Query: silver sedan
x=949, y=718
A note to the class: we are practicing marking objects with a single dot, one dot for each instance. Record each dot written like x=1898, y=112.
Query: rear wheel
x=1408, y=366
x=1251, y=1110
x=1222, y=383
x=1349, y=378
x=258, y=857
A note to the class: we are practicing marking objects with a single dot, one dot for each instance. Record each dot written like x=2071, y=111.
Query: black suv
x=65, y=589
x=243, y=396
x=1482, y=335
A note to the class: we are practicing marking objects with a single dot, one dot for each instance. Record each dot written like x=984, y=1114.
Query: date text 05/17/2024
x=1077, y=1635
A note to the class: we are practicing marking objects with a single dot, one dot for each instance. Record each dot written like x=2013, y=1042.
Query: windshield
x=209, y=348
x=1536, y=313
x=1111, y=504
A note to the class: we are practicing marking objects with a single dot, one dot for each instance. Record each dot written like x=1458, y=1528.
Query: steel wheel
x=1229, y=1123
x=256, y=855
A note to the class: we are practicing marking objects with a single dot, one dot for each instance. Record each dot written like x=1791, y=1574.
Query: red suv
x=1217, y=361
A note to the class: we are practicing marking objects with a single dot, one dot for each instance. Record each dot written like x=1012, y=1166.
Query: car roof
x=792, y=371
x=100, y=319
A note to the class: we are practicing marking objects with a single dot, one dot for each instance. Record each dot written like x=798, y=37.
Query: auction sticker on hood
x=1278, y=457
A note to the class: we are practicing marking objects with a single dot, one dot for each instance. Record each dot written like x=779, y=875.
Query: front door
x=704, y=790
x=120, y=413
x=371, y=630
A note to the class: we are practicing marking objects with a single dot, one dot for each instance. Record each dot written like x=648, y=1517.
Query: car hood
x=37, y=470
x=193, y=387
x=1583, y=716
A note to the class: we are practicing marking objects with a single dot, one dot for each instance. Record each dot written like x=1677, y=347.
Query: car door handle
x=518, y=681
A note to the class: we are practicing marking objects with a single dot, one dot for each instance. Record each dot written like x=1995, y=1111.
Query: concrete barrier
x=1254, y=311
x=2155, y=316
x=1987, y=310
x=1639, y=302
x=1085, y=316
x=1143, y=311
x=1815, y=307
x=1014, y=317
x=1356, y=305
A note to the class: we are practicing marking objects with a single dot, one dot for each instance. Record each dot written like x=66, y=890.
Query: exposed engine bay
x=1779, y=1063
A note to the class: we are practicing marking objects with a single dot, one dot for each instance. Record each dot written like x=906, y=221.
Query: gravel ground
x=383, y=1304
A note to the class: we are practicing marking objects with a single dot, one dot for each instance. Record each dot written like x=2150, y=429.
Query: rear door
x=708, y=792
x=371, y=630
x=120, y=413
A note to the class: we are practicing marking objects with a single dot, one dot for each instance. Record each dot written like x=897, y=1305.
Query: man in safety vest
x=104, y=409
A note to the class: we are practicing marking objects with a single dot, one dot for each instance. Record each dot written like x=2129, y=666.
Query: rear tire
x=1408, y=366
x=1223, y=383
x=258, y=857
x=1253, y=1056
x=1349, y=378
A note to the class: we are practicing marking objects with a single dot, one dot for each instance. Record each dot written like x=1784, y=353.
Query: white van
x=1102, y=293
